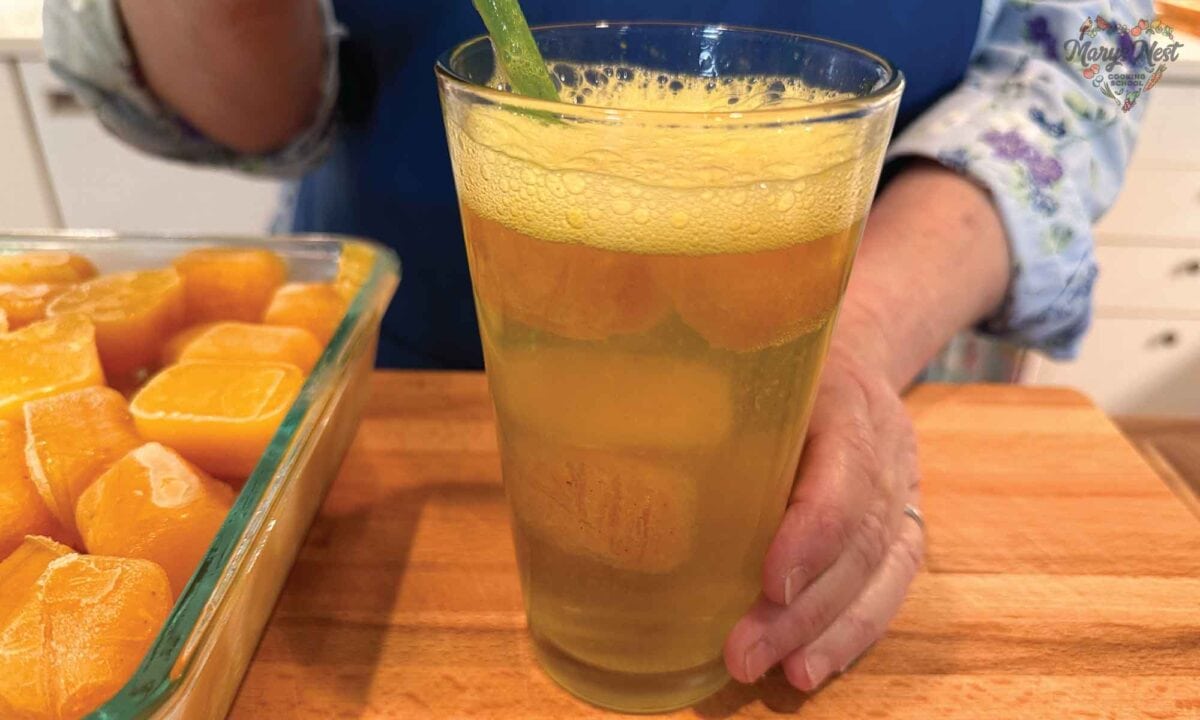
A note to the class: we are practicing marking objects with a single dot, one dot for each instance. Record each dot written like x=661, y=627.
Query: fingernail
x=759, y=659
x=817, y=667
x=791, y=585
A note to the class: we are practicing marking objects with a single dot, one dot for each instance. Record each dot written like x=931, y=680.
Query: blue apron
x=389, y=178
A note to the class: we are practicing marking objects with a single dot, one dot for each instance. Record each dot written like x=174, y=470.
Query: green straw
x=516, y=51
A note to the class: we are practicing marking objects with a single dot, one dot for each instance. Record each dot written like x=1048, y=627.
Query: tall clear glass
x=657, y=262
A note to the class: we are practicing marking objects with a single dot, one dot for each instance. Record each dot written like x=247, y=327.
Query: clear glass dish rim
x=829, y=111
x=165, y=665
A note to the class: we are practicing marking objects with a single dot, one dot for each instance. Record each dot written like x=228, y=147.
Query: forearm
x=933, y=260
x=246, y=73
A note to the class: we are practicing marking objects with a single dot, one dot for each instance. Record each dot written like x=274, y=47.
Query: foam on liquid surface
x=706, y=184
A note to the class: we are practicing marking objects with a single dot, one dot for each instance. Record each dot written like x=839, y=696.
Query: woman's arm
x=246, y=73
x=933, y=260
x=998, y=235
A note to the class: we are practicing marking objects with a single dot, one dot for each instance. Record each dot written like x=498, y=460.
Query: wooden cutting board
x=1062, y=578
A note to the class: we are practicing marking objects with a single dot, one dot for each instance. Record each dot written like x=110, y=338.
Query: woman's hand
x=845, y=553
x=842, y=560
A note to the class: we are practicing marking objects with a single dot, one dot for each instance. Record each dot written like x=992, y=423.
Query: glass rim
x=887, y=92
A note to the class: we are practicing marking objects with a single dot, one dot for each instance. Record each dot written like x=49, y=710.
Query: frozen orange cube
x=25, y=304
x=44, y=359
x=24, y=677
x=134, y=314
x=153, y=504
x=174, y=346
x=102, y=614
x=71, y=439
x=613, y=399
x=219, y=415
x=621, y=510
x=80, y=635
x=568, y=289
x=52, y=266
x=755, y=300
x=20, y=569
x=316, y=307
x=22, y=511
x=244, y=342
x=354, y=268
x=228, y=283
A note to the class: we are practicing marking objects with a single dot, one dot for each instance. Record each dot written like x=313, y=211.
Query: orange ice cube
x=22, y=511
x=25, y=304
x=568, y=289
x=354, y=268
x=134, y=314
x=174, y=346
x=78, y=638
x=51, y=266
x=46, y=358
x=624, y=511
x=71, y=439
x=315, y=307
x=153, y=504
x=219, y=415
x=229, y=283
x=20, y=569
x=24, y=676
x=613, y=399
x=749, y=301
x=243, y=342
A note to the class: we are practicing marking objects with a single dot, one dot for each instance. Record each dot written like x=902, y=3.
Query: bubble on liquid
x=758, y=188
x=595, y=78
x=566, y=75
x=608, y=71
x=574, y=183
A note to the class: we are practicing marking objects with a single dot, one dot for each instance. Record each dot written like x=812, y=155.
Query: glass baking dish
x=195, y=666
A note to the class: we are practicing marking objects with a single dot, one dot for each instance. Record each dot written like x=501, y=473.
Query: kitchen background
x=1141, y=361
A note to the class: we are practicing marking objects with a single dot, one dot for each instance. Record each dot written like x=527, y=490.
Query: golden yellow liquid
x=655, y=307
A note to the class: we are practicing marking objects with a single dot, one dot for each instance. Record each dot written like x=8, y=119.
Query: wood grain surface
x=1062, y=579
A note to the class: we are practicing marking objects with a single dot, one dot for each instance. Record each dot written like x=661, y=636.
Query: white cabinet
x=98, y=182
x=1160, y=281
x=1136, y=366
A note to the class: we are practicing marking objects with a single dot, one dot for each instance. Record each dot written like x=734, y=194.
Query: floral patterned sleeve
x=1049, y=135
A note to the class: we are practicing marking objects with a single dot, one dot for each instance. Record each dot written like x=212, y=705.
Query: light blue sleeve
x=1049, y=136
x=86, y=46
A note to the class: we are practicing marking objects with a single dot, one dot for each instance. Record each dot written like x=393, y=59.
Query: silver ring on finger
x=915, y=514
